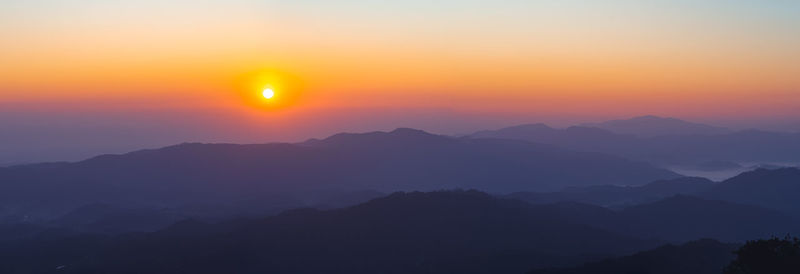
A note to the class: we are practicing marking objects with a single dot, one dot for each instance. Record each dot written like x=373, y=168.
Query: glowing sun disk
x=268, y=93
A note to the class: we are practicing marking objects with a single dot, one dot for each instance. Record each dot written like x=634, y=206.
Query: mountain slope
x=616, y=196
x=439, y=232
x=776, y=189
x=670, y=150
x=682, y=218
x=403, y=159
x=650, y=126
x=697, y=257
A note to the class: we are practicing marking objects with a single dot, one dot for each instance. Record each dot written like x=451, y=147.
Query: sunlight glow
x=268, y=93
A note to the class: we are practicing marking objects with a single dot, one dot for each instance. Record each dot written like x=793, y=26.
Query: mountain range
x=266, y=177
x=416, y=232
x=619, y=196
x=673, y=146
x=545, y=200
x=413, y=232
x=769, y=188
x=704, y=256
x=437, y=232
x=774, y=189
x=651, y=126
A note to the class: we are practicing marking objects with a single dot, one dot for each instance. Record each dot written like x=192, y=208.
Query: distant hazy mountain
x=439, y=232
x=104, y=218
x=682, y=218
x=650, y=126
x=254, y=177
x=697, y=257
x=776, y=189
x=571, y=136
x=617, y=196
x=748, y=205
x=675, y=149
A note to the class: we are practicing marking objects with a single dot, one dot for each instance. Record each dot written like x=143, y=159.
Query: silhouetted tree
x=774, y=256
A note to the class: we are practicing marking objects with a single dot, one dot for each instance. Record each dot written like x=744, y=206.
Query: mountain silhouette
x=414, y=232
x=705, y=256
x=774, y=255
x=770, y=188
x=716, y=165
x=650, y=126
x=269, y=176
x=677, y=149
x=104, y=218
x=619, y=196
x=752, y=205
x=681, y=218
x=437, y=232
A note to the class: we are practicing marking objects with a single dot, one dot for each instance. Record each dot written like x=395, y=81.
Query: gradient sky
x=83, y=77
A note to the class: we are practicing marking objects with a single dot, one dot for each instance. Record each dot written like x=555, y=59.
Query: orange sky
x=515, y=60
x=474, y=56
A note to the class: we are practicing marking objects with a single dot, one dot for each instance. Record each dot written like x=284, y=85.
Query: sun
x=268, y=90
x=268, y=93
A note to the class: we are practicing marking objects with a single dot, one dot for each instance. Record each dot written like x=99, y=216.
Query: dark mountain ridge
x=704, y=256
x=619, y=196
x=260, y=175
x=435, y=232
x=682, y=218
x=454, y=231
x=769, y=188
x=775, y=189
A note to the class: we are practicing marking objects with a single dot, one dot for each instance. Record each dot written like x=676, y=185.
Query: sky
x=79, y=78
